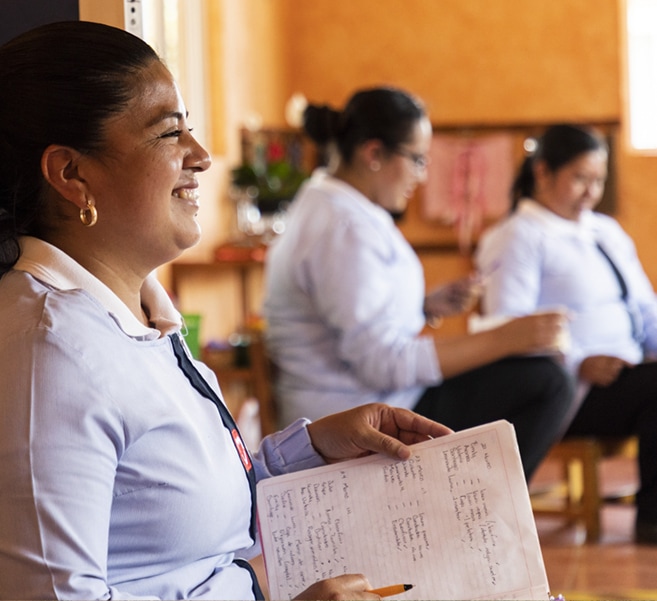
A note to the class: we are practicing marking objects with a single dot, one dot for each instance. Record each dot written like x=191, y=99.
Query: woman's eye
x=176, y=133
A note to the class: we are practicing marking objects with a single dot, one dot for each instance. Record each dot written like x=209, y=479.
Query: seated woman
x=122, y=474
x=554, y=251
x=345, y=295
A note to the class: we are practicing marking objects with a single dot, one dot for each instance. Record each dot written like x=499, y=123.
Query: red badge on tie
x=241, y=450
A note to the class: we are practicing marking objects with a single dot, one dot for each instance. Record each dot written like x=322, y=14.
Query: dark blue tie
x=617, y=273
x=636, y=334
x=199, y=383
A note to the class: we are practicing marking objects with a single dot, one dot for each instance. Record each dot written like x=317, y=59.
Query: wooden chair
x=578, y=497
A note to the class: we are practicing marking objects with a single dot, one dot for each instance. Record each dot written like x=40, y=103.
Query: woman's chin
x=190, y=237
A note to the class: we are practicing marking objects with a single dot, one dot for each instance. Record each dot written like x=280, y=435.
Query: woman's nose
x=422, y=175
x=198, y=158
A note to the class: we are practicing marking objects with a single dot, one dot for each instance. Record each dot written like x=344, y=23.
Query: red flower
x=275, y=152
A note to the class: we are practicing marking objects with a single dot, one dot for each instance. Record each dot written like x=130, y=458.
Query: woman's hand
x=349, y=586
x=541, y=332
x=602, y=370
x=373, y=428
x=453, y=298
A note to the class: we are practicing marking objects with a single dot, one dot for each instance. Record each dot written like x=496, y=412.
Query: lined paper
x=454, y=520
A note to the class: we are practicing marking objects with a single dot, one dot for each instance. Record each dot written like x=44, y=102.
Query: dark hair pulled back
x=559, y=145
x=382, y=113
x=60, y=83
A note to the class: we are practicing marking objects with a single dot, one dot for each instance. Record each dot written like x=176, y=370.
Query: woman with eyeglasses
x=345, y=294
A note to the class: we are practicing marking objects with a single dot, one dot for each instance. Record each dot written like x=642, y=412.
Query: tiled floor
x=614, y=568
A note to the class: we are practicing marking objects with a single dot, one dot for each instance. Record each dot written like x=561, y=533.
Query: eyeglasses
x=420, y=161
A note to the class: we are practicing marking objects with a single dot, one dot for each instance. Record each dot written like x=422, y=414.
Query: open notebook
x=454, y=520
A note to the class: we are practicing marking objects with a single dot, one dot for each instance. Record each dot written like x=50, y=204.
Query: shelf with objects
x=275, y=162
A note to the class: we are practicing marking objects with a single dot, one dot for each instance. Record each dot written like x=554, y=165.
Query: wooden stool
x=262, y=371
x=578, y=497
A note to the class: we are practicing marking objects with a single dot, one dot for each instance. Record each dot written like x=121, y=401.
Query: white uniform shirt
x=117, y=479
x=343, y=301
x=538, y=260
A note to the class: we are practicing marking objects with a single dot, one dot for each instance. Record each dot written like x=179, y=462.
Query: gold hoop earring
x=375, y=165
x=89, y=214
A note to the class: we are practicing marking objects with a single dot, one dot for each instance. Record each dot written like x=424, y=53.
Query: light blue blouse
x=117, y=479
x=538, y=260
x=344, y=294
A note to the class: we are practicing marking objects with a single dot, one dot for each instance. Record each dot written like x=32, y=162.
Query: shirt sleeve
x=510, y=258
x=289, y=450
x=350, y=276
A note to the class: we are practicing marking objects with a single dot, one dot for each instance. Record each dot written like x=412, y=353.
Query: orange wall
x=471, y=60
x=246, y=75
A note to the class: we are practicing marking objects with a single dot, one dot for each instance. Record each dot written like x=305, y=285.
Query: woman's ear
x=59, y=165
x=373, y=154
x=540, y=169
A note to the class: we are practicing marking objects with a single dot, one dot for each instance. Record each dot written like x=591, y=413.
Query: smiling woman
x=116, y=449
x=145, y=159
x=149, y=172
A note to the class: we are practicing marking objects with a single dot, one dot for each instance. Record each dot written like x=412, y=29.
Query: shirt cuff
x=430, y=372
x=572, y=361
x=290, y=450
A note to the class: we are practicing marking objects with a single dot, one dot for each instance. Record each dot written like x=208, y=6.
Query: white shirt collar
x=584, y=229
x=320, y=175
x=54, y=267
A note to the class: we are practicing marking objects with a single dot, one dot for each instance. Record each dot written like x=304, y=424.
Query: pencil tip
x=408, y=587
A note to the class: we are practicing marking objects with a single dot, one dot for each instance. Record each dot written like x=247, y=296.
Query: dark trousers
x=533, y=393
x=628, y=406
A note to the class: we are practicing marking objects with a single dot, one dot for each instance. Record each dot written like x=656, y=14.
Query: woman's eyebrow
x=168, y=115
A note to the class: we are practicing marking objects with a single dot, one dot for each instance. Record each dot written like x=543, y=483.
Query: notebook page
x=454, y=520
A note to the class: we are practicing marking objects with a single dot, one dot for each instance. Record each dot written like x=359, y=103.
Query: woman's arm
x=522, y=335
x=510, y=254
x=642, y=295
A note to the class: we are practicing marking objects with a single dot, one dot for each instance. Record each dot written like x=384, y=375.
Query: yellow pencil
x=393, y=589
